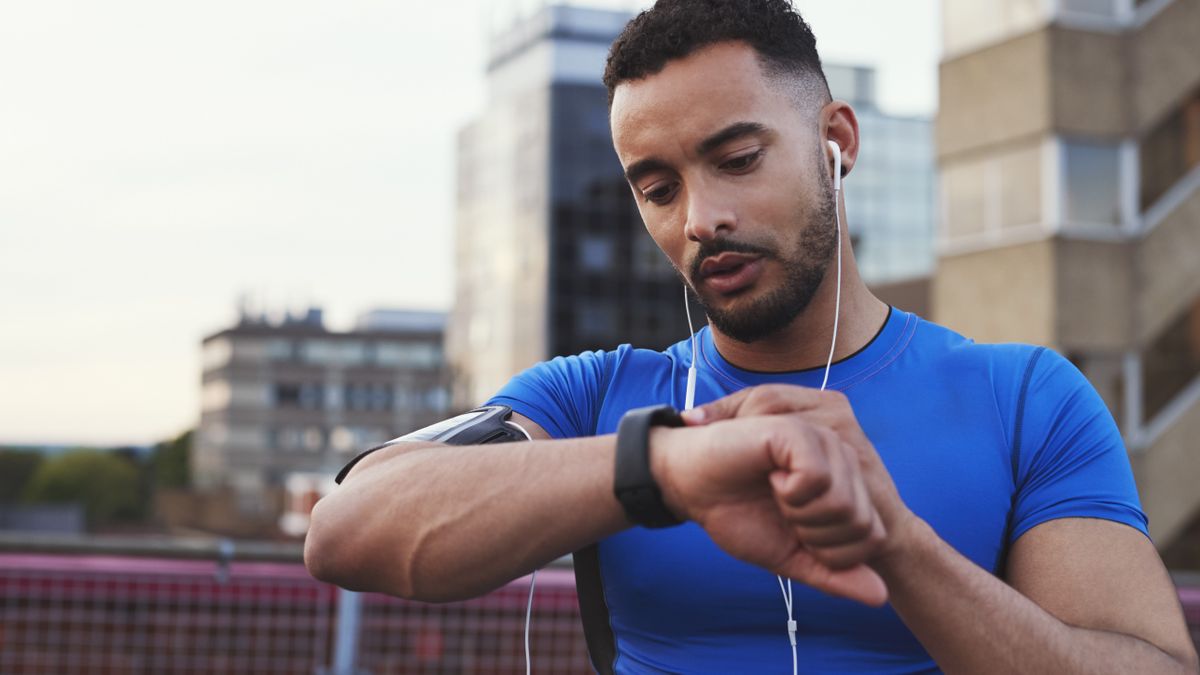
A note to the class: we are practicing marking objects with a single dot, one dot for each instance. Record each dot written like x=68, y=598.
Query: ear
x=840, y=125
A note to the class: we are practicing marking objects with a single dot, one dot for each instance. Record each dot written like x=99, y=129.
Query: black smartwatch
x=633, y=484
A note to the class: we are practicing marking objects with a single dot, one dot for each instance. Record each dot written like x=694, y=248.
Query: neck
x=804, y=343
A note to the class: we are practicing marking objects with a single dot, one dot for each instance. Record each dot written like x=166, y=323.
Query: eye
x=743, y=162
x=660, y=194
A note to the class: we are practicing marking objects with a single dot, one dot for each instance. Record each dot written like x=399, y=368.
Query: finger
x=768, y=399
x=862, y=526
x=864, y=545
x=799, y=501
x=799, y=487
x=859, y=583
x=720, y=409
x=846, y=514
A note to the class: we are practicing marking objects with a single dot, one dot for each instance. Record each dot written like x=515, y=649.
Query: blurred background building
x=285, y=400
x=552, y=256
x=1068, y=141
x=890, y=202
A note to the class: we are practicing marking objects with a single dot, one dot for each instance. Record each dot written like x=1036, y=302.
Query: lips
x=729, y=273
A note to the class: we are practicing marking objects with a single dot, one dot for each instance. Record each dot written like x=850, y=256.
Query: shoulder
x=565, y=394
x=600, y=365
x=1005, y=363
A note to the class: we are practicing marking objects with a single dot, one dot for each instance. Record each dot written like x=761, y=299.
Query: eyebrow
x=736, y=130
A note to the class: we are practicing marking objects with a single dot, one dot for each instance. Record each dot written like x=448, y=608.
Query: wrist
x=908, y=538
x=659, y=443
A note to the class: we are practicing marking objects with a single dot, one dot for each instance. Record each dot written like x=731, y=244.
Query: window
x=595, y=253
x=333, y=352
x=312, y=396
x=412, y=354
x=1092, y=183
x=595, y=321
x=649, y=262
x=279, y=350
x=287, y=395
x=1170, y=150
x=1105, y=9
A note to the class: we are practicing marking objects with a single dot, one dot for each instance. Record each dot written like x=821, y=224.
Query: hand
x=778, y=492
x=828, y=410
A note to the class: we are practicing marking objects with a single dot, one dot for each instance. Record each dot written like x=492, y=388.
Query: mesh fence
x=101, y=615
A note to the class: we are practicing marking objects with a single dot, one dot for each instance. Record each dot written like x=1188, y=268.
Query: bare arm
x=442, y=523
x=1087, y=596
x=439, y=523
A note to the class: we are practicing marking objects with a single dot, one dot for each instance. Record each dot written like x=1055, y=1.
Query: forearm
x=444, y=523
x=972, y=622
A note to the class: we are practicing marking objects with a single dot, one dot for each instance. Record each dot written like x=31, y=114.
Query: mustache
x=716, y=247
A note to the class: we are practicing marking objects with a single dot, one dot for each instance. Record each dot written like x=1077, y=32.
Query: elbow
x=322, y=545
x=341, y=552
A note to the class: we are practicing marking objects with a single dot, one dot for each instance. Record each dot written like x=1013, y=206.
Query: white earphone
x=837, y=165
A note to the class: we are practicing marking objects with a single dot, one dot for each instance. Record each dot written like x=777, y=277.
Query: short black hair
x=673, y=29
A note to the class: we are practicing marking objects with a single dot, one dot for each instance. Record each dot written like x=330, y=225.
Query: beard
x=803, y=268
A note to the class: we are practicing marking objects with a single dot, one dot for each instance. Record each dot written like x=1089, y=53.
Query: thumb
x=859, y=583
x=715, y=411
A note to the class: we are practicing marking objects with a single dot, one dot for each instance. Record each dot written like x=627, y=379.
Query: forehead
x=692, y=97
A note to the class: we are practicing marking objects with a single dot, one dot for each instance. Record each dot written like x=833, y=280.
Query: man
x=981, y=490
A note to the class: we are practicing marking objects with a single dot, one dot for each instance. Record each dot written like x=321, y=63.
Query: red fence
x=109, y=615
x=102, y=615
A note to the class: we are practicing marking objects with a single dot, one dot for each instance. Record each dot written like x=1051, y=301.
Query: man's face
x=731, y=180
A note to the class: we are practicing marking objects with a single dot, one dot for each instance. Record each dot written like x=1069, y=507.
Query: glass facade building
x=890, y=204
x=552, y=256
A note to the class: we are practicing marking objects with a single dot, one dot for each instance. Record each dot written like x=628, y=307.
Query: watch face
x=434, y=431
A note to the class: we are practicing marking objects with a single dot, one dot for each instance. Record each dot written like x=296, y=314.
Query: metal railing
x=89, y=606
x=106, y=606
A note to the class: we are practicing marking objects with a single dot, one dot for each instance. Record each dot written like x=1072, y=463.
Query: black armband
x=489, y=424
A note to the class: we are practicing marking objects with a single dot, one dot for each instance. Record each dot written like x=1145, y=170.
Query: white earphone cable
x=837, y=311
x=528, y=620
x=532, y=580
x=689, y=399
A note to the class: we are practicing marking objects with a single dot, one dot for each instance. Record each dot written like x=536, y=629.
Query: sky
x=161, y=160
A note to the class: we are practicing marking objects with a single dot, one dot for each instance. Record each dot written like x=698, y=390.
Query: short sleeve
x=1070, y=457
x=562, y=395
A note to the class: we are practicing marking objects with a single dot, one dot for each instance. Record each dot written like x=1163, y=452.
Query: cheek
x=666, y=233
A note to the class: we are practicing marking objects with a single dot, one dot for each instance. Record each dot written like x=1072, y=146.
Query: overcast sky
x=158, y=159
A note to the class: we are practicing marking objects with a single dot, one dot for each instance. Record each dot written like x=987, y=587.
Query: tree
x=170, y=460
x=16, y=468
x=107, y=485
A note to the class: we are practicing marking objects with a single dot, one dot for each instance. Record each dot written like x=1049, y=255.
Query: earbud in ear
x=837, y=164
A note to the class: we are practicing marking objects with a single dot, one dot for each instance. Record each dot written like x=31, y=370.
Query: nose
x=710, y=214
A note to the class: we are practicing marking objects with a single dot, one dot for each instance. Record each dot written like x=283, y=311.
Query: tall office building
x=552, y=257
x=1068, y=140
x=291, y=396
x=890, y=206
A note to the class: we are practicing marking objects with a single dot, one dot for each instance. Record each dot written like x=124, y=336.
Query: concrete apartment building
x=552, y=256
x=1068, y=140
x=292, y=397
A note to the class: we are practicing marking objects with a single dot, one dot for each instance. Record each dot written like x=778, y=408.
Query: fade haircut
x=673, y=29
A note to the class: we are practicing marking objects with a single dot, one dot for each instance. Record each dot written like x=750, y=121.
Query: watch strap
x=633, y=483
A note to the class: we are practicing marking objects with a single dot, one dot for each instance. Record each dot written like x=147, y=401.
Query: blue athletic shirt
x=983, y=442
